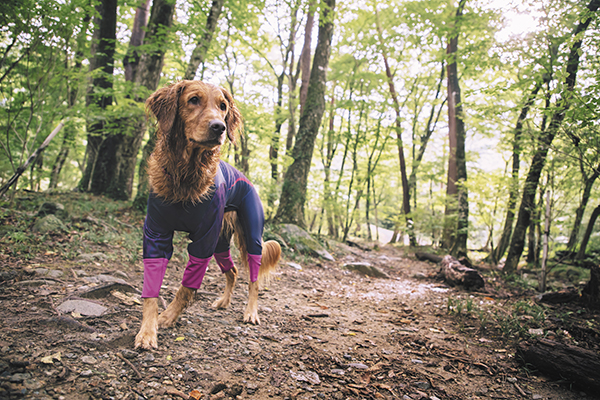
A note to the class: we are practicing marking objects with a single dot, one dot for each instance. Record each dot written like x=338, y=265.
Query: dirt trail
x=326, y=333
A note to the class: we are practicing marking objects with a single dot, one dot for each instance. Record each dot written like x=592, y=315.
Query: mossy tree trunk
x=293, y=194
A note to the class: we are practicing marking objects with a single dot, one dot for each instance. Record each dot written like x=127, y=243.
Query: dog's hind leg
x=182, y=299
x=251, y=313
x=271, y=252
x=224, y=260
x=146, y=337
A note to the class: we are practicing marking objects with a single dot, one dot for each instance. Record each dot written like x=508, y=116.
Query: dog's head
x=195, y=113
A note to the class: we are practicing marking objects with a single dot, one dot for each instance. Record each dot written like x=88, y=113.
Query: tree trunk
x=350, y=215
x=513, y=193
x=141, y=197
x=588, y=233
x=539, y=157
x=203, y=43
x=115, y=166
x=585, y=197
x=63, y=153
x=328, y=159
x=293, y=194
x=456, y=233
x=103, y=51
x=399, y=143
x=305, y=56
x=303, y=69
x=532, y=247
x=279, y=119
x=138, y=31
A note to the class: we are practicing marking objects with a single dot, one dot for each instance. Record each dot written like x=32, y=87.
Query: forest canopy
x=457, y=124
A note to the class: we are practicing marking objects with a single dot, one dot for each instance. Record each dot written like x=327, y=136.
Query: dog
x=193, y=191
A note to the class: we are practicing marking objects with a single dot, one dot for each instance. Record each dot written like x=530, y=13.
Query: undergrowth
x=90, y=224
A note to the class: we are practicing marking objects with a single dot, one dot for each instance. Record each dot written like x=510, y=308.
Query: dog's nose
x=216, y=127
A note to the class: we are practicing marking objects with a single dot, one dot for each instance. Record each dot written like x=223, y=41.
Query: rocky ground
x=67, y=331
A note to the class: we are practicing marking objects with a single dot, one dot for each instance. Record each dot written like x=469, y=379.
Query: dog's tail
x=271, y=250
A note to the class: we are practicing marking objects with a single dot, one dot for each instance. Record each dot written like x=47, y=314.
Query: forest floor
x=326, y=333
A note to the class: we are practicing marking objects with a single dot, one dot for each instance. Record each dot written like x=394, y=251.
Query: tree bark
x=115, y=166
x=204, y=40
x=293, y=194
x=513, y=193
x=138, y=31
x=539, y=157
x=456, y=228
x=103, y=50
x=305, y=56
x=563, y=361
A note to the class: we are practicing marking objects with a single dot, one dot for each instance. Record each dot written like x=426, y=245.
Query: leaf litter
x=377, y=339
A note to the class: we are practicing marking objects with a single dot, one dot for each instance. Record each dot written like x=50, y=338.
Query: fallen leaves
x=127, y=299
x=49, y=359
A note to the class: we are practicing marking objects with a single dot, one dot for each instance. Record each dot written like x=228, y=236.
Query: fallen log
x=560, y=297
x=563, y=361
x=428, y=257
x=456, y=274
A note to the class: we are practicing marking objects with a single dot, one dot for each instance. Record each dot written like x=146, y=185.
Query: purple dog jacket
x=202, y=221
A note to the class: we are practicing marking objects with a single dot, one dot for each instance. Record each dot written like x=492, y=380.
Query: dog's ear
x=233, y=119
x=164, y=103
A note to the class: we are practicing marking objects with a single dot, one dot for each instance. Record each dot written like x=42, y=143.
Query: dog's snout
x=216, y=127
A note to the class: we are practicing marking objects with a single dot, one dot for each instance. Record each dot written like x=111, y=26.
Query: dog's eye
x=223, y=107
x=195, y=100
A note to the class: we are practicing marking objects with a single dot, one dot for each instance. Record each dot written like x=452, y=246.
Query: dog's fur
x=182, y=168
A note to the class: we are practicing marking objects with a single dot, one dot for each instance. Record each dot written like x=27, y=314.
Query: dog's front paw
x=146, y=339
x=223, y=302
x=251, y=317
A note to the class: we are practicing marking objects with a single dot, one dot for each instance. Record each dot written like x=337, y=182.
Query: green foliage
x=44, y=78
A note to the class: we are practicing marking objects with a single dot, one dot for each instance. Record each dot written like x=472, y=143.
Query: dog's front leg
x=225, y=300
x=146, y=337
x=251, y=313
x=182, y=299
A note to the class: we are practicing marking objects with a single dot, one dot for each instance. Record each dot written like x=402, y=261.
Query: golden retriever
x=192, y=190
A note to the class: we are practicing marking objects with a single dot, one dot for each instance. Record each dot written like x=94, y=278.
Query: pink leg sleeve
x=154, y=273
x=224, y=261
x=194, y=272
x=254, y=266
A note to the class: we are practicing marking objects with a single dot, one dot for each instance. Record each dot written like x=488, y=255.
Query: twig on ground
x=131, y=365
x=175, y=392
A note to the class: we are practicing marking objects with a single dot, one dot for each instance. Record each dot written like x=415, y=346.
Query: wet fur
x=182, y=168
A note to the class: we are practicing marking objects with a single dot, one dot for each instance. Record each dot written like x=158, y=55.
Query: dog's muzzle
x=216, y=134
x=216, y=129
